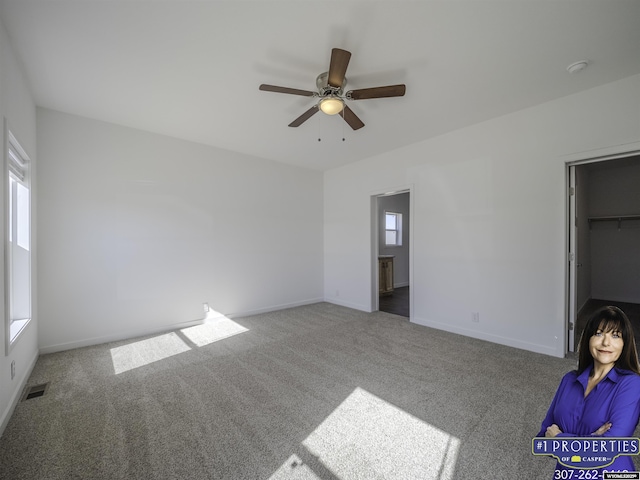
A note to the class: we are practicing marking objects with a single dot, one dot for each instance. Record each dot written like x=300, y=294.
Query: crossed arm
x=553, y=430
x=624, y=413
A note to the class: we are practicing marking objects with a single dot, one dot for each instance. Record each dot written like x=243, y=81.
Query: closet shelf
x=613, y=218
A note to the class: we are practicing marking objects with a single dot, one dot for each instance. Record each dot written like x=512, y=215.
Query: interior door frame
x=572, y=254
x=375, y=244
x=571, y=161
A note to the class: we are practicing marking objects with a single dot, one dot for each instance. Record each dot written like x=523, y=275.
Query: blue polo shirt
x=615, y=399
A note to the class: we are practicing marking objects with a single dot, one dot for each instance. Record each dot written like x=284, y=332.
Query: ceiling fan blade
x=338, y=67
x=351, y=118
x=305, y=116
x=377, y=92
x=292, y=91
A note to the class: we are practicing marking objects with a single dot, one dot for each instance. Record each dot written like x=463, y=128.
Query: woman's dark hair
x=609, y=319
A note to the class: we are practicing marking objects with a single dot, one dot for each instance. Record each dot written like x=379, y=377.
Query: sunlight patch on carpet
x=212, y=330
x=144, y=352
x=367, y=437
x=214, y=327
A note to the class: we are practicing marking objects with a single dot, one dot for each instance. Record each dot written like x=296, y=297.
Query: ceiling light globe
x=331, y=105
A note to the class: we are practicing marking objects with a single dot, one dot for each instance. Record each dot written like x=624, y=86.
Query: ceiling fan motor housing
x=324, y=89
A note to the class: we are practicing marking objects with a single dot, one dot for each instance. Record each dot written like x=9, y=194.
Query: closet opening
x=604, y=240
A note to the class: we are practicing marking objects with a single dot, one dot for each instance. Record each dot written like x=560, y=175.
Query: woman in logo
x=601, y=397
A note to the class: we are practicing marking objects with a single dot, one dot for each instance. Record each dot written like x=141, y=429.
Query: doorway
x=392, y=251
x=604, y=240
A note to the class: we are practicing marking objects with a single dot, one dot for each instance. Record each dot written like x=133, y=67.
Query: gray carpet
x=315, y=392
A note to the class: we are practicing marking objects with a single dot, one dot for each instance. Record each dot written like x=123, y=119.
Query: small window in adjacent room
x=393, y=229
x=18, y=242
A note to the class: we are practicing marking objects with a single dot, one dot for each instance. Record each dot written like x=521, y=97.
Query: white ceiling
x=191, y=69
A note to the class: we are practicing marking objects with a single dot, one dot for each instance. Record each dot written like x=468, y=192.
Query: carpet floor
x=314, y=392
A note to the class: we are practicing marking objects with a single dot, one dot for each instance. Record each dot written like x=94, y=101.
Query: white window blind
x=17, y=160
x=18, y=251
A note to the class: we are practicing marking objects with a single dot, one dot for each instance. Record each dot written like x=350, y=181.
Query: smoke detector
x=578, y=66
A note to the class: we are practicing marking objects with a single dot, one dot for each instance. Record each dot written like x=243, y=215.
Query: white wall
x=489, y=222
x=18, y=110
x=138, y=230
x=615, y=254
x=398, y=203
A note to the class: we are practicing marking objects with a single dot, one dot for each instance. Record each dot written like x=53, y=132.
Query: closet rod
x=618, y=218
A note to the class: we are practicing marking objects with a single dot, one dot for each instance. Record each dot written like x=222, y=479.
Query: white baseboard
x=15, y=398
x=134, y=333
x=509, y=342
x=274, y=308
x=342, y=303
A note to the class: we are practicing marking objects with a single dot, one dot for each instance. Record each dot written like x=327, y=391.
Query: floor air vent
x=35, y=391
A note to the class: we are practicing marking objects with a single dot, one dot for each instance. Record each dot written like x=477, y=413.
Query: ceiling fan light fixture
x=331, y=105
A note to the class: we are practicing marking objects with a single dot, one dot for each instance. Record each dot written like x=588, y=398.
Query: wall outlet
x=475, y=317
x=206, y=307
x=13, y=369
x=337, y=293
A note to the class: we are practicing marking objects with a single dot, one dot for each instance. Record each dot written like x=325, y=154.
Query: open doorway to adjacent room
x=392, y=252
x=604, y=240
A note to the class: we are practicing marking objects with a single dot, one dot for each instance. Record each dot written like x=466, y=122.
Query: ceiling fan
x=331, y=92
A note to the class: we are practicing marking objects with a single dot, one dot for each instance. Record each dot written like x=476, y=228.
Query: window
x=393, y=229
x=18, y=243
